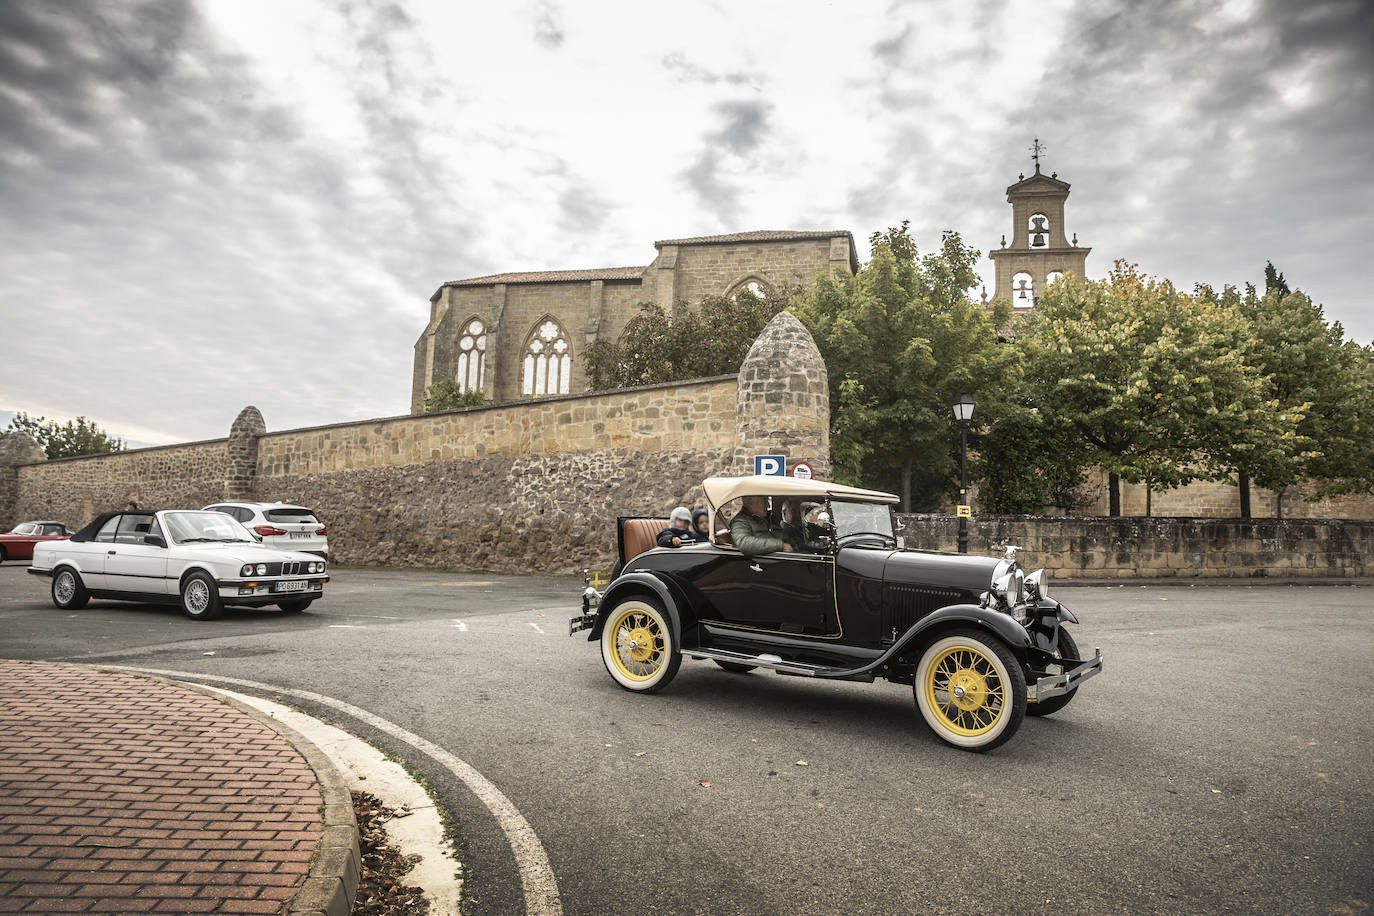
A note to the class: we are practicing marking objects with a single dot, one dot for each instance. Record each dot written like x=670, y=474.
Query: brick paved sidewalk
x=122, y=794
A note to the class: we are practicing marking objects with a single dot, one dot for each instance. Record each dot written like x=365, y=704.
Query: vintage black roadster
x=982, y=643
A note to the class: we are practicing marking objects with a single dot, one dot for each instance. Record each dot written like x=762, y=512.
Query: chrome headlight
x=1010, y=587
x=262, y=569
x=1038, y=585
x=247, y=570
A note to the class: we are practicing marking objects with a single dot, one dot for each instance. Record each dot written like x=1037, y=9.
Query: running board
x=798, y=669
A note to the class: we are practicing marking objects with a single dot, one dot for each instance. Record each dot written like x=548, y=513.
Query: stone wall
x=76, y=490
x=1222, y=500
x=528, y=487
x=16, y=449
x=1161, y=548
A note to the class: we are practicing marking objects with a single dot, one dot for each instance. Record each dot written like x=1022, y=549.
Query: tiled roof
x=554, y=276
x=762, y=235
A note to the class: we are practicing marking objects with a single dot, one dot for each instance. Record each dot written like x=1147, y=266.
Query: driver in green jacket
x=753, y=532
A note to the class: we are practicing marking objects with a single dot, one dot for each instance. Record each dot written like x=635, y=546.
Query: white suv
x=280, y=525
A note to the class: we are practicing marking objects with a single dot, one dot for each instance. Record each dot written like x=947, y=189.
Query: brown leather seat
x=641, y=534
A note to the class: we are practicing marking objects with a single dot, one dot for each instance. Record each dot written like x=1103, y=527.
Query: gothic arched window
x=1022, y=293
x=548, y=360
x=472, y=356
x=1039, y=226
x=753, y=285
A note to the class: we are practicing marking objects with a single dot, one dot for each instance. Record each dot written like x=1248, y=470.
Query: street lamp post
x=963, y=412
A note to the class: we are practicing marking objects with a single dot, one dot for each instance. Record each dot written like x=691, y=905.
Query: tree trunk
x=1243, y=481
x=1113, y=495
x=906, y=485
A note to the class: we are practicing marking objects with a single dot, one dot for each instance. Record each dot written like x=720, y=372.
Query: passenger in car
x=679, y=530
x=753, y=532
x=792, y=524
x=701, y=525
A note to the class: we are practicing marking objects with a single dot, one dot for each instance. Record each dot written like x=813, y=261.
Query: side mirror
x=154, y=540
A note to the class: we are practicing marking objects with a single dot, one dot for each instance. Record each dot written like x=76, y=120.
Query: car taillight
x=321, y=531
x=268, y=531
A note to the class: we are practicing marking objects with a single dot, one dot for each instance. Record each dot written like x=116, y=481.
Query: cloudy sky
x=210, y=204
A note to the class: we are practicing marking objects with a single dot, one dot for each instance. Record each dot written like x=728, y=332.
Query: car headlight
x=1010, y=587
x=247, y=570
x=262, y=569
x=316, y=567
x=1038, y=585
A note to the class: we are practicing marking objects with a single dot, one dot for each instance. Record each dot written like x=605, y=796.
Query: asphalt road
x=1220, y=764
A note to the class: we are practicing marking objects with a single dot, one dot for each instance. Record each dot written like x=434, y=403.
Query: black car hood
x=911, y=567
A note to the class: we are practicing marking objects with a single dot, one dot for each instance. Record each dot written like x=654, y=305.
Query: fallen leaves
x=381, y=891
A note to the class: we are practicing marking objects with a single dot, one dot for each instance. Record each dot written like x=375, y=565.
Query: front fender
x=979, y=618
x=642, y=583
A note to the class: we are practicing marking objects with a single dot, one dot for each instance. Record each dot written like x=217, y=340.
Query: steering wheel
x=859, y=534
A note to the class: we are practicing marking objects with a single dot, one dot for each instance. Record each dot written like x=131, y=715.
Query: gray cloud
x=742, y=128
x=687, y=71
x=548, y=25
x=160, y=207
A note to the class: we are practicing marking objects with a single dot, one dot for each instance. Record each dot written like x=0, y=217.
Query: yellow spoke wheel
x=971, y=690
x=637, y=645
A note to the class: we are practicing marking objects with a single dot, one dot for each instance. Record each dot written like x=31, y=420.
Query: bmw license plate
x=299, y=534
x=299, y=585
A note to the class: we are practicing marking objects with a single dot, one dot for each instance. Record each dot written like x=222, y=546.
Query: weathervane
x=1036, y=150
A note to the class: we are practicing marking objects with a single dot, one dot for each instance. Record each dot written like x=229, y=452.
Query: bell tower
x=1039, y=251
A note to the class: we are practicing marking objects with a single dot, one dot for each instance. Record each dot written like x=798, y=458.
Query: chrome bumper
x=1057, y=684
x=591, y=600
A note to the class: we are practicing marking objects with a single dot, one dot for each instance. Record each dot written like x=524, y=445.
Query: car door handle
x=754, y=566
x=112, y=552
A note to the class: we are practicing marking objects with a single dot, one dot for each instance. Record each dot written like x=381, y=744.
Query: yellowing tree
x=1157, y=385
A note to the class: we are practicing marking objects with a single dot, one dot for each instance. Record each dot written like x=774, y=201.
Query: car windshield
x=854, y=519
x=202, y=527
x=26, y=528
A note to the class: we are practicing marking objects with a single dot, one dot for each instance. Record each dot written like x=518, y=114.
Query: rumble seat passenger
x=641, y=534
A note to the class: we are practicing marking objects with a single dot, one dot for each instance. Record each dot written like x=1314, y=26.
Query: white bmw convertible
x=204, y=561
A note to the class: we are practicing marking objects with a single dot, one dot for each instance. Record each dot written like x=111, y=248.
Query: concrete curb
x=331, y=887
x=1213, y=582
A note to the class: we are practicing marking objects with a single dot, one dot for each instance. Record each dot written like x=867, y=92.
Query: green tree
x=1273, y=280
x=901, y=341
x=1313, y=372
x=1155, y=384
x=446, y=394
x=710, y=339
x=65, y=440
x=1024, y=465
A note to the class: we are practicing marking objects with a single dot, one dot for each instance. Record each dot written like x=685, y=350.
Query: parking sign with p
x=770, y=465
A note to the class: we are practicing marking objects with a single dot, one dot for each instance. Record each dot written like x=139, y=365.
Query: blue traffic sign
x=770, y=465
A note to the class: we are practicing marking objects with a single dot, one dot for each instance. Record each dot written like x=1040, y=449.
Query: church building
x=1040, y=250
x=515, y=336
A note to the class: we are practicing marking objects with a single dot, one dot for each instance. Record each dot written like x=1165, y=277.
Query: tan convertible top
x=720, y=490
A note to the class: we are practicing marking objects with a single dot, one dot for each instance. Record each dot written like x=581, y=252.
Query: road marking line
x=536, y=874
x=462, y=627
x=344, y=626
x=538, y=628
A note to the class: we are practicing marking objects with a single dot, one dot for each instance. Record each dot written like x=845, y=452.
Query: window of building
x=754, y=286
x=1039, y=227
x=472, y=356
x=1022, y=293
x=548, y=361
x=1052, y=276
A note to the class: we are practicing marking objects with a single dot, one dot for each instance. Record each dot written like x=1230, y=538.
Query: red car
x=18, y=544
